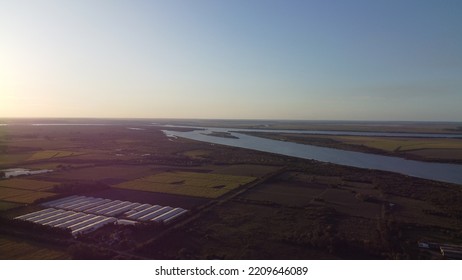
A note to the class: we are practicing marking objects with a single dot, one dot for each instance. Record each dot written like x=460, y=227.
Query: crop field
x=49, y=154
x=104, y=172
x=12, y=249
x=22, y=196
x=245, y=170
x=27, y=184
x=187, y=202
x=188, y=183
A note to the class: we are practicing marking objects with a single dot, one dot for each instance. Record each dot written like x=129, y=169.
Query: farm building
x=172, y=214
x=143, y=212
x=76, y=222
x=95, y=207
x=83, y=214
x=154, y=214
x=93, y=226
x=451, y=251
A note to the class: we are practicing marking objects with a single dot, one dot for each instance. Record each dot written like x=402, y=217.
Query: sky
x=251, y=59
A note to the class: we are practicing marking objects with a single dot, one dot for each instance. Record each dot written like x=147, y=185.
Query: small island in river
x=221, y=134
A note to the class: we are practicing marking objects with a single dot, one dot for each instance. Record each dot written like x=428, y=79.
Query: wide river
x=451, y=173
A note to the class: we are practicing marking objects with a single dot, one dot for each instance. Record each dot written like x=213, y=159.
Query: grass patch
x=188, y=183
x=251, y=170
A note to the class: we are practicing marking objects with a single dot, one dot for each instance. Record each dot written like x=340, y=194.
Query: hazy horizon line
x=227, y=119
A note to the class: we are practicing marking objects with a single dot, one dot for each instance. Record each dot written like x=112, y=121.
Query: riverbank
x=440, y=150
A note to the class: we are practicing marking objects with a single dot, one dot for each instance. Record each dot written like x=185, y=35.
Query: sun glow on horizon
x=232, y=60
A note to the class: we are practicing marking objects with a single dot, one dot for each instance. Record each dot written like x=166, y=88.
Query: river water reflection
x=451, y=173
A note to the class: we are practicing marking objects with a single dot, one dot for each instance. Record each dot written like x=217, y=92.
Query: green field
x=251, y=170
x=188, y=183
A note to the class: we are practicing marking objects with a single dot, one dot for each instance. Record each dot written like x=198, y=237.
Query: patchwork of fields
x=25, y=190
x=111, y=176
x=28, y=184
x=49, y=154
x=188, y=183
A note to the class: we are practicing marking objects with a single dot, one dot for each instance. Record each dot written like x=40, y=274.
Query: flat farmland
x=13, y=249
x=188, y=183
x=351, y=203
x=249, y=231
x=22, y=196
x=186, y=202
x=118, y=172
x=27, y=184
x=289, y=194
x=297, y=189
x=251, y=170
x=311, y=211
x=408, y=210
x=52, y=154
x=12, y=159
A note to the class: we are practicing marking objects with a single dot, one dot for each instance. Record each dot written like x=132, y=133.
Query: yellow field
x=188, y=183
x=27, y=184
x=197, y=153
x=48, y=154
x=22, y=196
x=251, y=170
x=401, y=144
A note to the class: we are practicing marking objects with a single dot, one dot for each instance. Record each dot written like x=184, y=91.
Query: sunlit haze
x=315, y=60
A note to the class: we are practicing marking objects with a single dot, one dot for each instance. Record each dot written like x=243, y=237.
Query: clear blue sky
x=316, y=60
